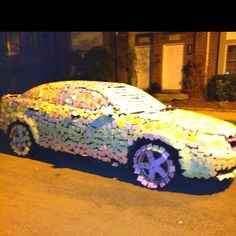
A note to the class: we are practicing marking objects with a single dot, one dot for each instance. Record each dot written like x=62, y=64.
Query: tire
x=154, y=163
x=20, y=139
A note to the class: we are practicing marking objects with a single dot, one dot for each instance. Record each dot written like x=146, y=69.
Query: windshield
x=133, y=100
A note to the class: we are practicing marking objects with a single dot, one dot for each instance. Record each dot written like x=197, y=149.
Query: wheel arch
x=156, y=144
x=147, y=138
x=32, y=125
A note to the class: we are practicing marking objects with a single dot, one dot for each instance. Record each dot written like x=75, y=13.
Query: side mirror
x=102, y=120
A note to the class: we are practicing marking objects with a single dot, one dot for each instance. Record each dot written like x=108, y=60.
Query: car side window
x=44, y=93
x=84, y=98
x=48, y=95
x=92, y=100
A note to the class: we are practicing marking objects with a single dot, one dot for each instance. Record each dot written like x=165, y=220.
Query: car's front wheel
x=154, y=164
x=20, y=139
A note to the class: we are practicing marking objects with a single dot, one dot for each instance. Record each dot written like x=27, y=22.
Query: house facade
x=141, y=58
x=64, y=50
x=160, y=56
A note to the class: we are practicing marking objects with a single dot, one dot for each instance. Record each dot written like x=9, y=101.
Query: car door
x=73, y=117
x=41, y=111
x=101, y=137
x=87, y=119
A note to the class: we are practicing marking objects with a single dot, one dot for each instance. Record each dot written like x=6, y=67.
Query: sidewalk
x=222, y=110
x=224, y=115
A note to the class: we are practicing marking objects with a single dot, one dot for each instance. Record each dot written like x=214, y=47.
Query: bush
x=193, y=75
x=99, y=65
x=222, y=88
x=232, y=91
x=154, y=88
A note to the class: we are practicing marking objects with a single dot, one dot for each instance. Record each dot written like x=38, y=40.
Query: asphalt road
x=54, y=194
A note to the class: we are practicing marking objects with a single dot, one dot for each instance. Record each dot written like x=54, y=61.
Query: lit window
x=231, y=60
x=13, y=43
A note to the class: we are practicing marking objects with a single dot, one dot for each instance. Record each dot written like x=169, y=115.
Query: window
x=82, y=98
x=13, y=43
x=86, y=40
x=43, y=92
x=133, y=100
x=143, y=39
x=71, y=95
x=231, y=59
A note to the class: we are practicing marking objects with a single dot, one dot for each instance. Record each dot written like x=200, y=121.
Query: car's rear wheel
x=154, y=164
x=20, y=139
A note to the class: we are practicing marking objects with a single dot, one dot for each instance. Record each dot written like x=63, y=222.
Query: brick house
x=160, y=56
x=141, y=58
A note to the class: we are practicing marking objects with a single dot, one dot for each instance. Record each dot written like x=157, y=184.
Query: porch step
x=168, y=97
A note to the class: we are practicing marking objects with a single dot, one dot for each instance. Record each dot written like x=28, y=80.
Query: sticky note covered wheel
x=21, y=139
x=154, y=162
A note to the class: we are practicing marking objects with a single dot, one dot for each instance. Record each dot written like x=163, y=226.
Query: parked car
x=120, y=123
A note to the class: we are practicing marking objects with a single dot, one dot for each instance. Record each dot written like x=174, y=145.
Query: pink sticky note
x=144, y=182
x=171, y=174
x=162, y=184
x=172, y=169
x=140, y=178
x=152, y=185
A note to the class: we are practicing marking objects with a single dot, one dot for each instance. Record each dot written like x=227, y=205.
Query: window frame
x=10, y=52
x=226, y=54
x=90, y=90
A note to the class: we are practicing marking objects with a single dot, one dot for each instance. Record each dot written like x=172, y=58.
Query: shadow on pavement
x=121, y=173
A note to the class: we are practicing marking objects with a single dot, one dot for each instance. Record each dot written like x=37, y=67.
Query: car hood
x=195, y=122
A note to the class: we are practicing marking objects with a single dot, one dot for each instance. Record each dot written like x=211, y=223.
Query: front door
x=143, y=66
x=172, y=65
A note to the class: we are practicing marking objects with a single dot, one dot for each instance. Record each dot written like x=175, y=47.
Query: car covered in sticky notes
x=116, y=122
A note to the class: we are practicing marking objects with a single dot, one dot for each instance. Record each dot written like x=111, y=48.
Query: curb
x=207, y=109
x=228, y=115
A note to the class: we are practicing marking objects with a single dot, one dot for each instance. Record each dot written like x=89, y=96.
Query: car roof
x=100, y=86
x=117, y=93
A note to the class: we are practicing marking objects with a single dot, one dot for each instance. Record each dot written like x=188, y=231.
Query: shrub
x=193, y=75
x=99, y=64
x=154, y=88
x=222, y=88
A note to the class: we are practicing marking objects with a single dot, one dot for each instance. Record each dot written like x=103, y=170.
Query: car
x=117, y=122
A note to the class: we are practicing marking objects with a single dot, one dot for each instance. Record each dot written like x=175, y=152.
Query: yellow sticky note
x=191, y=137
x=21, y=109
x=136, y=121
x=121, y=123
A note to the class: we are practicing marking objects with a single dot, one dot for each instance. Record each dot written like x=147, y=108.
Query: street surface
x=56, y=194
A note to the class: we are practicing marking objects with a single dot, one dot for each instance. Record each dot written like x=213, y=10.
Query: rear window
x=133, y=100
